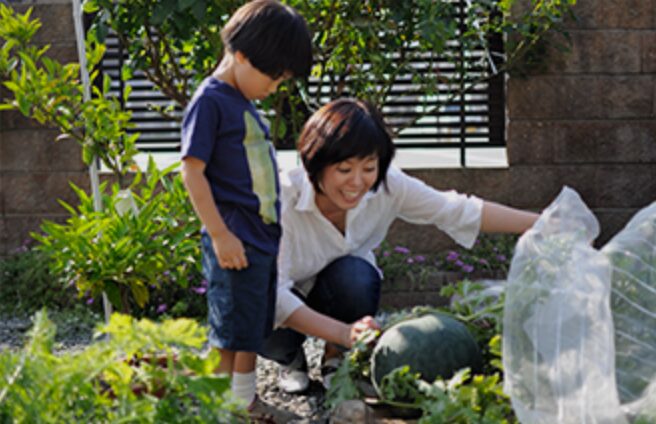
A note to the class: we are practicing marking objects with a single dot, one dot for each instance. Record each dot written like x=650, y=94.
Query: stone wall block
x=63, y=53
x=56, y=22
x=419, y=238
x=3, y=191
x=531, y=142
x=3, y=236
x=625, y=186
x=486, y=183
x=37, y=193
x=20, y=227
x=535, y=187
x=608, y=52
x=605, y=142
x=14, y=120
x=611, y=221
x=614, y=14
x=37, y=150
x=649, y=51
x=581, y=97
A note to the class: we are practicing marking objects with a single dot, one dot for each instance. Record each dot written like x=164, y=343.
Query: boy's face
x=251, y=82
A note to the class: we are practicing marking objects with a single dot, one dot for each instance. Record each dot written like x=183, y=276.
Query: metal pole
x=93, y=167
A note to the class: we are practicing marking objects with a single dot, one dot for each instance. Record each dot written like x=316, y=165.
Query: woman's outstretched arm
x=308, y=321
x=497, y=218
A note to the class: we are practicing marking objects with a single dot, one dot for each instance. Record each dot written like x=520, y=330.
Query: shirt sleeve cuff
x=467, y=233
x=286, y=304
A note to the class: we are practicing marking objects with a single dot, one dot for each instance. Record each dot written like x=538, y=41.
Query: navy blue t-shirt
x=223, y=129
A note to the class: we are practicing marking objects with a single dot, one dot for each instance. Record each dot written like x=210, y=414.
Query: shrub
x=26, y=283
x=142, y=239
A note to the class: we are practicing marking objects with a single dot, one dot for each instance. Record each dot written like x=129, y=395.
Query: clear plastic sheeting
x=579, y=340
x=632, y=253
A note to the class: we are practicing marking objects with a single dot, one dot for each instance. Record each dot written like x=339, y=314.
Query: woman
x=336, y=210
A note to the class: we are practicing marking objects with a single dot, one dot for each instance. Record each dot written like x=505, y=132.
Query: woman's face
x=345, y=183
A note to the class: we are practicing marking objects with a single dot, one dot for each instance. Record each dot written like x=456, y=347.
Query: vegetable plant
x=463, y=398
x=116, y=379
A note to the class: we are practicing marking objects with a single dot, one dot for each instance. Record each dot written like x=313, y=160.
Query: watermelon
x=433, y=345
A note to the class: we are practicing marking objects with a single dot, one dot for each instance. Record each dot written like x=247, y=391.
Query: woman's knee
x=351, y=287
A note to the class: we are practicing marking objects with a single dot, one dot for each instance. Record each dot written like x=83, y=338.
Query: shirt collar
x=306, y=198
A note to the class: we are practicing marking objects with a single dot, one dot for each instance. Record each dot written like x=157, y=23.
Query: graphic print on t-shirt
x=258, y=153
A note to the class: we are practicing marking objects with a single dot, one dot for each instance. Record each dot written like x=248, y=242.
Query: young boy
x=229, y=169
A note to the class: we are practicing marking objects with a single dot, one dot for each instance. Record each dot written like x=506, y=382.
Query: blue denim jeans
x=347, y=289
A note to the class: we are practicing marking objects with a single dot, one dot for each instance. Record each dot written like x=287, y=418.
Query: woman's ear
x=240, y=57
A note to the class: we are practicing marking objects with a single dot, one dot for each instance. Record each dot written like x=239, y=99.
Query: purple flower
x=402, y=250
x=162, y=308
x=468, y=268
x=502, y=258
x=167, y=273
x=386, y=253
x=410, y=260
x=89, y=301
x=199, y=290
x=21, y=249
x=459, y=263
x=203, y=283
x=420, y=258
x=483, y=262
x=452, y=256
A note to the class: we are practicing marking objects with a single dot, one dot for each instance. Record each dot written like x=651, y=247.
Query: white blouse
x=310, y=242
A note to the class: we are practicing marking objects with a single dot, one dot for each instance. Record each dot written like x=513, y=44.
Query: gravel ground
x=72, y=335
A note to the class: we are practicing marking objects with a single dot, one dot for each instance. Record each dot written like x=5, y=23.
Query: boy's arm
x=497, y=218
x=228, y=249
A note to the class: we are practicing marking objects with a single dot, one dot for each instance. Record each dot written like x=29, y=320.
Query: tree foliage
x=362, y=49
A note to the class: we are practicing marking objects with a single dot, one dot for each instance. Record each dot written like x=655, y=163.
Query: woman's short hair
x=344, y=129
x=274, y=37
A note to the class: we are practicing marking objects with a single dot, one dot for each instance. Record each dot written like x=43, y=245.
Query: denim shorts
x=240, y=304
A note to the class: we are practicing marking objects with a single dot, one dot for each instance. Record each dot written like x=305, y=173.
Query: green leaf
x=140, y=293
x=90, y=6
x=184, y=4
x=162, y=10
x=114, y=295
x=87, y=154
x=199, y=9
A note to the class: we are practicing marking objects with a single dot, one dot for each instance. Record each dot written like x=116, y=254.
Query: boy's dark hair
x=343, y=129
x=273, y=36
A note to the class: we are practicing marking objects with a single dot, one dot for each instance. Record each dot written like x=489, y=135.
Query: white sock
x=244, y=386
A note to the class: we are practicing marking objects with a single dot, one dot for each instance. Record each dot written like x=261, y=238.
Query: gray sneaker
x=292, y=380
x=328, y=370
x=262, y=412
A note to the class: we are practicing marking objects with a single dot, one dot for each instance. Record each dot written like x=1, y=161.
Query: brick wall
x=34, y=169
x=588, y=121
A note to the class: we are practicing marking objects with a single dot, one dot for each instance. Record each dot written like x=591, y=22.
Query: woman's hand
x=360, y=326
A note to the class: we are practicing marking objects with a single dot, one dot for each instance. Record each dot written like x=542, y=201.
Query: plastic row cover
x=579, y=342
